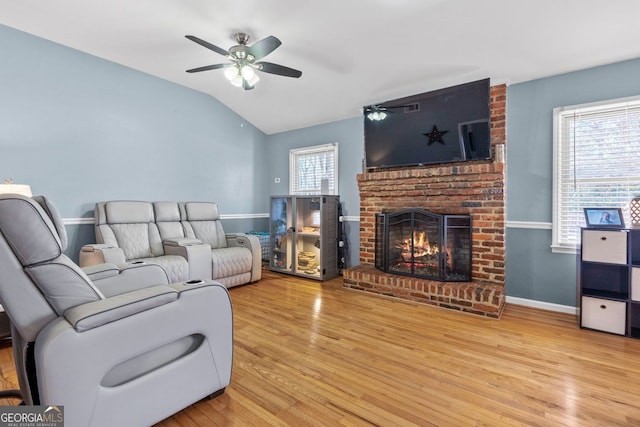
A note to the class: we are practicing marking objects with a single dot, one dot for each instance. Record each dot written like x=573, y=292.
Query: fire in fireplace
x=414, y=242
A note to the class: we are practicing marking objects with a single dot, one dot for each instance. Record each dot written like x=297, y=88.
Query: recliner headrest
x=54, y=214
x=166, y=211
x=28, y=229
x=128, y=212
x=201, y=211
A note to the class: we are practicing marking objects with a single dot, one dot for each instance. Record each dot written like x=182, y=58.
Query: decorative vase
x=634, y=208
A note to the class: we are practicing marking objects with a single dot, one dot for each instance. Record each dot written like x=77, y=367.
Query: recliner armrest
x=97, y=313
x=100, y=253
x=101, y=271
x=198, y=255
x=181, y=241
x=252, y=243
x=242, y=239
x=117, y=279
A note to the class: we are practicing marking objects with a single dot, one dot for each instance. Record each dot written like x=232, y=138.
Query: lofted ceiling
x=351, y=52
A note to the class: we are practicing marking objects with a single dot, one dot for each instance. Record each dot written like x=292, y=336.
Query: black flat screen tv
x=445, y=125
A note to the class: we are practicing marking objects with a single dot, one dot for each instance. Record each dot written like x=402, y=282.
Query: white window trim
x=310, y=150
x=556, y=246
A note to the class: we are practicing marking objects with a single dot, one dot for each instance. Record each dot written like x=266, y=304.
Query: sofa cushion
x=230, y=261
x=168, y=220
x=202, y=221
x=133, y=239
x=177, y=267
x=210, y=232
x=132, y=224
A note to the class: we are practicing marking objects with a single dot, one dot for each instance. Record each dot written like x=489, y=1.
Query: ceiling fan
x=245, y=60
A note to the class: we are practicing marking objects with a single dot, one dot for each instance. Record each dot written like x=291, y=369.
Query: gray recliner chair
x=235, y=257
x=109, y=356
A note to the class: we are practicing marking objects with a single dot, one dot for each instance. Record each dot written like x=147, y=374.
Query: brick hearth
x=473, y=297
x=474, y=188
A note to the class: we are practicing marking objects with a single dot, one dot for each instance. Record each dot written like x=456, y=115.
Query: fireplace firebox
x=418, y=243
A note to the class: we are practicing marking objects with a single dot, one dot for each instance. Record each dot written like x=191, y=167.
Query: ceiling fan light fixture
x=247, y=72
x=231, y=73
x=252, y=81
x=376, y=115
x=238, y=75
x=237, y=81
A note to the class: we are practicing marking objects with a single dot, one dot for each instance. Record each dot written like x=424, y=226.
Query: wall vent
x=412, y=108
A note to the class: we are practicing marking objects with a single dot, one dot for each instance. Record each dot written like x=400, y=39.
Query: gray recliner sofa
x=110, y=355
x=187, y=239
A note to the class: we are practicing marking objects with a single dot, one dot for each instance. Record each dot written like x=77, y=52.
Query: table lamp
x=9, y=187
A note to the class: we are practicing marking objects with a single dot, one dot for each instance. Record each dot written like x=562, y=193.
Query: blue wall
x=533, y=271
x=80, y=129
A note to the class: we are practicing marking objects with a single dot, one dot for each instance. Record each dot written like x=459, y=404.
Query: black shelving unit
x=609, y=280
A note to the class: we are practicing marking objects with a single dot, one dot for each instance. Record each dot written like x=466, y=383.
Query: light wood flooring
x=311, y=353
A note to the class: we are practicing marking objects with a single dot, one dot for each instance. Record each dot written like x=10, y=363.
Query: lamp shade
x=9, y=187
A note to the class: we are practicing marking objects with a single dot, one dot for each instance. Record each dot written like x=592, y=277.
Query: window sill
x=572, y=250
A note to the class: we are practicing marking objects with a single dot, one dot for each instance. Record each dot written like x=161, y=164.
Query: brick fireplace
x=472, y=188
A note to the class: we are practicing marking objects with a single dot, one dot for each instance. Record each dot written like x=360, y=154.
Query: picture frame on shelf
x=604, y=217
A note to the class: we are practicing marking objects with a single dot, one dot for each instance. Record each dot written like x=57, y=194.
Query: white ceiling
x=351, y=52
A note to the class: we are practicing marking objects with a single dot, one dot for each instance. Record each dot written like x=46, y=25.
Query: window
x=596, y=164
x=309, y=166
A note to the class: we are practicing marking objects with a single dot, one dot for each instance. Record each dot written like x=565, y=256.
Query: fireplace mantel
x=473, y=188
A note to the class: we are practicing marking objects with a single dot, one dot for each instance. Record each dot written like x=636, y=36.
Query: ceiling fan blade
x=280, y=70
x=208, y=45
x=208, y=67
x=262, y=48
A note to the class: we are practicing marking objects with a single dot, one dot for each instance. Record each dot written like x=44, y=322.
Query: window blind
x=309, y=166
x=597, y=163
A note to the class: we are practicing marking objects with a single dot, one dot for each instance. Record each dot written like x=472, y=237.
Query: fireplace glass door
x=414, y=245
x=414, y=242
x=457, y=251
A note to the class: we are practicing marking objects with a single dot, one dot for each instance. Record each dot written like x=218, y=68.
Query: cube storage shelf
x=609, y=280
x=304, y=236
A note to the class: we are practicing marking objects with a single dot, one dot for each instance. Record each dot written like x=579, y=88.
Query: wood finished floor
x=310, y=353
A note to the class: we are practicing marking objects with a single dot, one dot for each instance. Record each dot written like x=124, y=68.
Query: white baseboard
x=543, y=305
